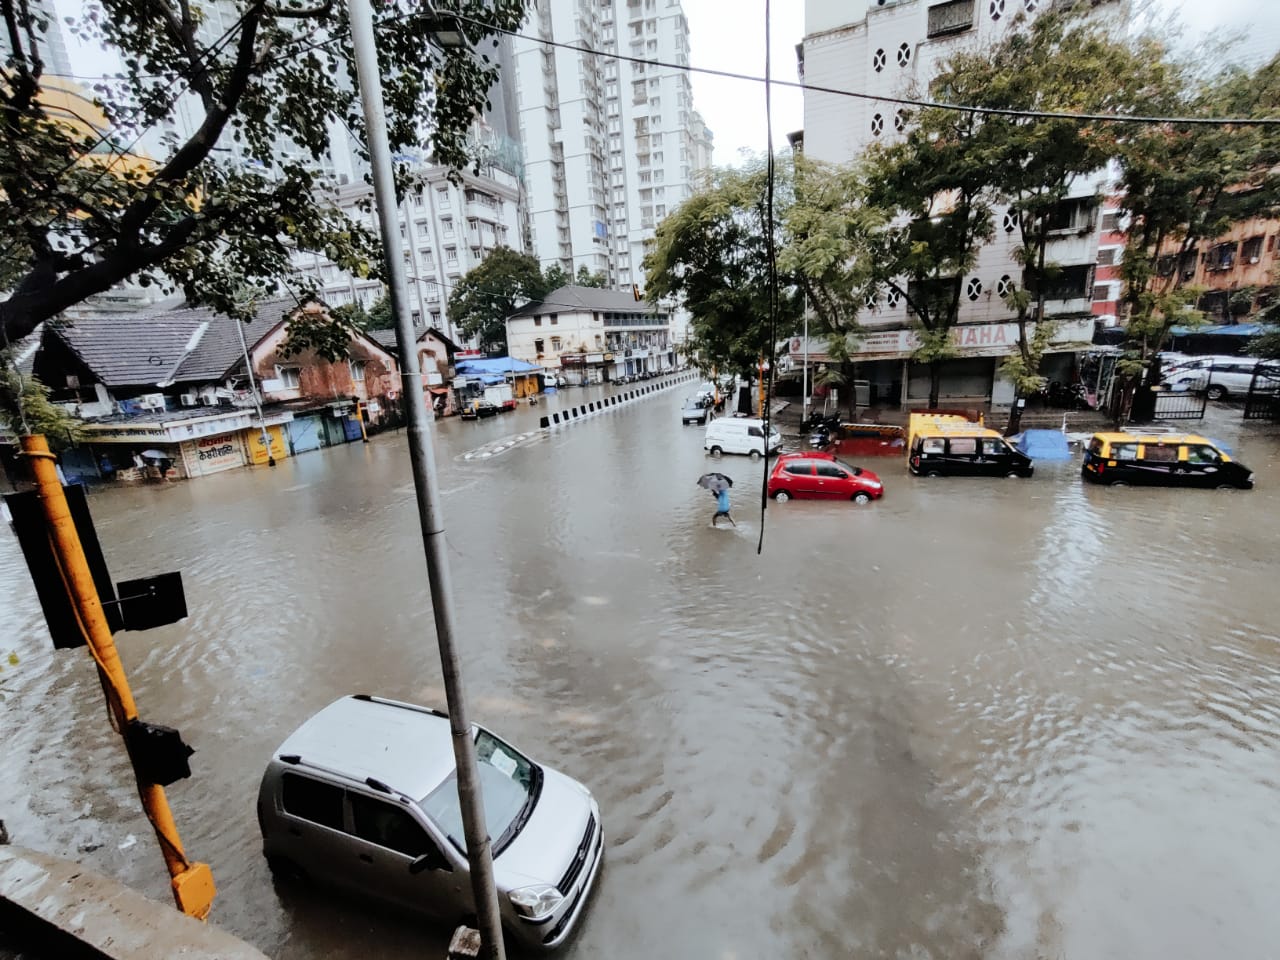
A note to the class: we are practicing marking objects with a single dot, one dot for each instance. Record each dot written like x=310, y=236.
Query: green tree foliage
x=77, y=219
x=1056, y=63
x=1183, y=185
x=489, y=293
x=586, y=278
x=377, y=317
x=827, y=230
x=936, y=184
x=25, y=408
x=712, y=255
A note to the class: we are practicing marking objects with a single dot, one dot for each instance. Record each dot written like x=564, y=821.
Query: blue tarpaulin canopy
x=1044, y=445
x=495, y=367
x=1219, y=330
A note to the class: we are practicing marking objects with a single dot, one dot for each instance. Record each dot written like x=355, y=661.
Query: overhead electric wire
x=767, y=354
x=879, y=97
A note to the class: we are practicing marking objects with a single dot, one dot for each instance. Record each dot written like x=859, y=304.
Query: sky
x=729, y=35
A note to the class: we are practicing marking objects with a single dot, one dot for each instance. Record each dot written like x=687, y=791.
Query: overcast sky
x=729, y=35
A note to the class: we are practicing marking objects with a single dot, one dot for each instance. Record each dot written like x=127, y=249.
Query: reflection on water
x=976, y=719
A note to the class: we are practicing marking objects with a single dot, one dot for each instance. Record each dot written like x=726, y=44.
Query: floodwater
x=997, y=718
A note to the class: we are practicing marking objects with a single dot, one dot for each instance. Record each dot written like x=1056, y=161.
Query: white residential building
x=591, y=335
x=893, y=48
x=611, y=146
x=51, y=45
x=446, y=229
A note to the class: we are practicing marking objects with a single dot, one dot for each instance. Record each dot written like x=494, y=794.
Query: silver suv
x=364, y=796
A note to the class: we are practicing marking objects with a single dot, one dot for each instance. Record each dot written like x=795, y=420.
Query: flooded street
x=976, y=719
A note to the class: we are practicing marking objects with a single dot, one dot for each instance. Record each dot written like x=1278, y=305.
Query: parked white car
x=1218, y=377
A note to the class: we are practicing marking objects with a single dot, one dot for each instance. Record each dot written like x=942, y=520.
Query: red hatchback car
x=820, y=476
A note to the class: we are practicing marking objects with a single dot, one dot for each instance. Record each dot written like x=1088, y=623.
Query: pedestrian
x=106, y=468
x=722, y=507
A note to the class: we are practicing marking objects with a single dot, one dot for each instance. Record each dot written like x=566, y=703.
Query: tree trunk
x=935, y=383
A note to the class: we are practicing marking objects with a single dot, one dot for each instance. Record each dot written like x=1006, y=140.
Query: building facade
x=590, y=335
x=446, y=229
x=611, y=146
x=893, y=48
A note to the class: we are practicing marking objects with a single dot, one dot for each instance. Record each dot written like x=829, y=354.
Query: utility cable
x=770, y=347
x=883, y=98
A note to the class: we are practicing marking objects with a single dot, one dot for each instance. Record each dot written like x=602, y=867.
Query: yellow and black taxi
x=1181, y=460
x=943, y=445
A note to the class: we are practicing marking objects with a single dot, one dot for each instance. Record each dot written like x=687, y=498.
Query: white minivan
x=740, y=435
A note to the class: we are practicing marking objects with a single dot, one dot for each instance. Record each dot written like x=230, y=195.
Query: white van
x=740, y=435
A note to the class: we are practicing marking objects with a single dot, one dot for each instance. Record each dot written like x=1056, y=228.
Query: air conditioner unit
x=151, y=401
x=189, y=399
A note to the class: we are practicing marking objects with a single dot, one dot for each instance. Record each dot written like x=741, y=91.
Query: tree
x=1184, y=184
x=1056, y=63
x=712, y=254
x=377, y=317
x=936, y=184
x=586, y=278
x=25, y=408
x=489, y=293
x=827, y=232
x=81, y=213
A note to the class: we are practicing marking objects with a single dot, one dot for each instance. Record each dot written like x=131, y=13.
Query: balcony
x=955, y=16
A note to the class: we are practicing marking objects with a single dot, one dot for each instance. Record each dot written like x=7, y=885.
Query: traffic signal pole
x=192, y=883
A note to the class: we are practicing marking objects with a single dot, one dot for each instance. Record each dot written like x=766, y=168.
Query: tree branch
x=183, y=31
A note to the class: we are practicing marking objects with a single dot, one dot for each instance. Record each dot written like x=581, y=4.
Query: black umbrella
x=715, y=482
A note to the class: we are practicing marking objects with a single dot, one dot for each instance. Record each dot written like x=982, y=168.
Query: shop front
x=185, y=444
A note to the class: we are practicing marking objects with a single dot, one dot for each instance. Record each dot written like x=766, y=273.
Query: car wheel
x=716, y=451
x=1216, y=392
x=1013, y=473
x=782, y=496
x=1226, y=486
x=1119, y=483
x=755, y=454
x=933, y=473
x=862, y=497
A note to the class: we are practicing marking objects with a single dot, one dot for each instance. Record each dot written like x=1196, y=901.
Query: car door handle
x=367, y=858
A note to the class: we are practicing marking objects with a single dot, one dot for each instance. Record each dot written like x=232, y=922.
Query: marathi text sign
x=971, y=338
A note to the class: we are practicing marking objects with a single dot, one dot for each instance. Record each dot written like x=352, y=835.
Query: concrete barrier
x=544, y=422
x=71, y=913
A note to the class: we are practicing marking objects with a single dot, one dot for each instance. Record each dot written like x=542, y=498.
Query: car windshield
x=509, y=783
x=856, y=471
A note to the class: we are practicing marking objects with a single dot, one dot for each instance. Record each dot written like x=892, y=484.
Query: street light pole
x=422, y=460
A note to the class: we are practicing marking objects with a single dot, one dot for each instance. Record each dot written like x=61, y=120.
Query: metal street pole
x=422, y=460
x=253, y=391
x=804, y=406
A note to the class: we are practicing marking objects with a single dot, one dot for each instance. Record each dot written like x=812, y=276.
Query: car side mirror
x=431, y=860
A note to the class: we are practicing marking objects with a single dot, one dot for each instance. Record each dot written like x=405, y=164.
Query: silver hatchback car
x=364, y=796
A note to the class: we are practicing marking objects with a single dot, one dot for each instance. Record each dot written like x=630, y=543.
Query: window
x=357, y=370
x=1101, y=292
x=800, y=468
x=312, y=800
x=1124, y=451
x=904, y=55
x=288, y=376
x=537, y=321
x=1159, y=453
x=973, y=289
x=755, y=432
x=933, y=445
x=446, y=225
x=388, y=826
x=992, y=446
x=1252, y=250
x=877, y=62
x=555, y=319
x=539, y=346
x=1110, y=222
x=442, y=198
x=832, y=471
x=877, y=125
x=1108, y=256
x=451, y=256
x=963, y=446
x=953, y=17
x=1199, y=454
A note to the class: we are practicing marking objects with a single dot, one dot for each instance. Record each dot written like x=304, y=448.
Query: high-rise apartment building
x=611, y=146
x=893, y=48
x=51, y=45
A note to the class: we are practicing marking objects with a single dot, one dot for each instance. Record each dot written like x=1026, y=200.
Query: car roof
x=808, y=455
x=406, y=747
x=1114, y=437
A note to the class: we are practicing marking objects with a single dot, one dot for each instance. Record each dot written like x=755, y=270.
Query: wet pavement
x=976, y=719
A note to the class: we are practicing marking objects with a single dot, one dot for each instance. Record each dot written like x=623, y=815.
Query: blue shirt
x=722, y=501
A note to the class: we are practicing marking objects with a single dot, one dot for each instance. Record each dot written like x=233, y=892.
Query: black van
x=1174, y=460
x=976, y=452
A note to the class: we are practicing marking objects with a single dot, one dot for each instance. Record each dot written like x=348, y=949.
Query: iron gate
x=1262, y=402
x=1180, y=405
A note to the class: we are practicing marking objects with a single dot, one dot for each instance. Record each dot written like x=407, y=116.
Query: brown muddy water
x=976, y=719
